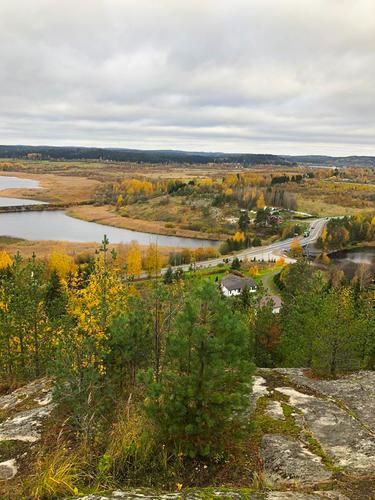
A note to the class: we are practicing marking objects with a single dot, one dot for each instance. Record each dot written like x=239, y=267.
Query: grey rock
x=259, y=389
x=287, y=460
x=40, y=389
x=316, y=495
x=341, y=436
x=274, y=495
x=8, y=470
x=275, y=410
x=26, y=425
x=356, y=391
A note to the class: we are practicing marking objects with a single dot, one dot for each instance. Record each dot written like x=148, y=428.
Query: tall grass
x=58, y=474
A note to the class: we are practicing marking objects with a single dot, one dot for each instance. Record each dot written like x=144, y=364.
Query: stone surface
x=8, y=470
x=275, y=410
x=39, y=389
x=342, y=437
x=259, y=387
x=287, y=460
x=25, y=426
x=23, y=412
x=228, y=494
x=316, y=495
x=356, y=391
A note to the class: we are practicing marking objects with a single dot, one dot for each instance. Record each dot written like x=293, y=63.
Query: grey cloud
x=238, y=75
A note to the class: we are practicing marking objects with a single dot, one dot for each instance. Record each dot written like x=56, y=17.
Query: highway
x=268, y=252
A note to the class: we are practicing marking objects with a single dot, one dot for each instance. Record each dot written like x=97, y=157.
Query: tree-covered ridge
x=144, y=156
x=156, y=156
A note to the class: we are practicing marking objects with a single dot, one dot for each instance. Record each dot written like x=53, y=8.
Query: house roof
x=275, y=299
x=234, y=282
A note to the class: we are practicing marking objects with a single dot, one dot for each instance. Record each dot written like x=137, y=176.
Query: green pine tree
x=206, y=375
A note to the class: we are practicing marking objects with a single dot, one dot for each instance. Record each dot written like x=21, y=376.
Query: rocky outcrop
x=344, y=438
x=22, y=415
x=315, y=438
x=327, y=435
x=287, y=460
x=8, y=469
x=217, y=493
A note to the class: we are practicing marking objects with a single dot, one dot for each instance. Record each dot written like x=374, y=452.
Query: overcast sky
x=278, y=76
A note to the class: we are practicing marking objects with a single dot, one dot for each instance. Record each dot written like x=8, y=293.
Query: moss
x=315, y=447
x=268, y=425
x=289, y=410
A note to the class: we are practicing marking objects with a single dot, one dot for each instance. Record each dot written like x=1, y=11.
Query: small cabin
x=232, y=285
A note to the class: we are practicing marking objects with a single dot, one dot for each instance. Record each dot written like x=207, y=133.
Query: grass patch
x=59, y=473
x=268, y=425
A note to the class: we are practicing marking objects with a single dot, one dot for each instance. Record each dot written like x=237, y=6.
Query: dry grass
x=43, y=249
x=59, y=473
x=56, y=188
x=324, y=209
x=106, y=215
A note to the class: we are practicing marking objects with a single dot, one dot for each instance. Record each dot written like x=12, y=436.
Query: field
x=139, y=221
x=199, y=201
x=59, y=189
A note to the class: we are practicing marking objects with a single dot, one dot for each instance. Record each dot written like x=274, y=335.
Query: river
x=57, y=226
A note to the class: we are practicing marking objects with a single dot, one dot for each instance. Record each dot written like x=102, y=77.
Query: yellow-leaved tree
x=62, y=263
x=134, y=260
x=260, y=201
x=239, y=236
x=93, y=308
x=152, y=260
x=5, y=260
x=296, y=248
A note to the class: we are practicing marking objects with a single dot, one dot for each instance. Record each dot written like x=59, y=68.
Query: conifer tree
x=206, y=375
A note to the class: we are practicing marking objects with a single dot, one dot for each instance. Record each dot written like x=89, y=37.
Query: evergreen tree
x=243, y=222
x=266, y=336
x=236, y=264
x=168, y=276
x=129, y=343
x=205, y=382
x=335, y=346
x=56, y=299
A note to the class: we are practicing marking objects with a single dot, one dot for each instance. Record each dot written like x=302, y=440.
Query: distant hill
x=171, y=156
x=137, y=155
x=336, y=161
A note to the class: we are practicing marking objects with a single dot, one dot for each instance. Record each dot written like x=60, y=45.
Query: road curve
x=264, y=252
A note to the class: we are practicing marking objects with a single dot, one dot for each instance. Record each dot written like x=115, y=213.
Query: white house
x=233, y=285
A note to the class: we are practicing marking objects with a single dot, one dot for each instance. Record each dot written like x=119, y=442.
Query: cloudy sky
x=279, y=76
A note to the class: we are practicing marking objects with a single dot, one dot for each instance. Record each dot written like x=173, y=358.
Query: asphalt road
x=265, y=253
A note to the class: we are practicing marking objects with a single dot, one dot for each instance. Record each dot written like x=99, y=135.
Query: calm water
x=7, y=182
x=57, y=225
x=365, y=255
x=14, y=202
x=350, y=261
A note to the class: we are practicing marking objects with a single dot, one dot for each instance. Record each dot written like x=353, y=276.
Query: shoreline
x=363, y=244
x=102, y=215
